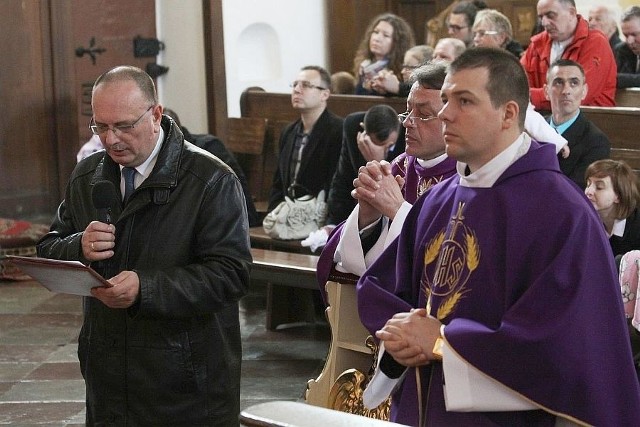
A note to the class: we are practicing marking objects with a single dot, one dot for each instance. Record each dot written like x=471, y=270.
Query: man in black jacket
x=160, y=345
x=565, y=89
x=628, y=53
x=310, y=146
x=371, y=135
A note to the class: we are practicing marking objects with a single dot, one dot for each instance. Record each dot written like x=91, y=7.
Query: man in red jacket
x=567, y=35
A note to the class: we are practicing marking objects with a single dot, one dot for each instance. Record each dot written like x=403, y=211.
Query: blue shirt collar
x=564, y=126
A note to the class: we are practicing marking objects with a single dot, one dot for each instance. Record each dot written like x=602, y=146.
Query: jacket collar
x=543, y=40
x=165, y=172
x=164, y=176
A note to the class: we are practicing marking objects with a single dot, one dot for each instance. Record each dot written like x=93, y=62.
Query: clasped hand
x=409, y=337
x=378, y=192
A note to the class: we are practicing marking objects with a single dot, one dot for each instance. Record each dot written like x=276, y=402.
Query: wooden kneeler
x=350, y=361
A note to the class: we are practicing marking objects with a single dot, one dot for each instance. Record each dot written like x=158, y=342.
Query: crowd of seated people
x=563, y=34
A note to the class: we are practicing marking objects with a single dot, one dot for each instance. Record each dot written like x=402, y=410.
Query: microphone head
x=104, y=195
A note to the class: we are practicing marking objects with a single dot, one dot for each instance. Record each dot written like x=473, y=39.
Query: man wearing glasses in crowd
x=160, y=345
x=310, y=146
x=461, y=20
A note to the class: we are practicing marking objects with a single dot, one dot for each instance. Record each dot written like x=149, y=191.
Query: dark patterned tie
x=296, y=155
x=129, y=175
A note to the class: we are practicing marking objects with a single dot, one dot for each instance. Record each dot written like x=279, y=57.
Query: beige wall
x=266, y=43
x=183, y=88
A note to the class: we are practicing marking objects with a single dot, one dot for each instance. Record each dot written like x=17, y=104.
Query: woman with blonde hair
x=493, y=29
x=383, y=46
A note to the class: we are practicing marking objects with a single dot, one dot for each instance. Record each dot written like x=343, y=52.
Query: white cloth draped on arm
x=538, y=128
x=350, y=257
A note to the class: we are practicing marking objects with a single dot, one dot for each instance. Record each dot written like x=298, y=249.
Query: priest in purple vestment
x=498, y=304
x=376, y=221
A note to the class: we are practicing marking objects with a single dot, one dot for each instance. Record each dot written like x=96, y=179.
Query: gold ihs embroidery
x=457, y=254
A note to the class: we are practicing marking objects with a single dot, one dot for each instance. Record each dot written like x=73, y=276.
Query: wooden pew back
x=276, y=107
x=629, y=97
x=621, y=124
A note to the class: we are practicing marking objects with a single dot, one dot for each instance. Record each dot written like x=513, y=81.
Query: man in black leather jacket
x=161, y=346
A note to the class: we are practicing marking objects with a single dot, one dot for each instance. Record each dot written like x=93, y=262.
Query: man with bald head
x=604, y=19
x=447, y=49
x=567, y=35
x=161, y=344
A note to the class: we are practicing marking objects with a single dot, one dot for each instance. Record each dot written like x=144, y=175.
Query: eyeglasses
x=100, y=129
x=412, y=119
x=410, y=67
x=483, y=33
x=306, y=85
x=455, y=28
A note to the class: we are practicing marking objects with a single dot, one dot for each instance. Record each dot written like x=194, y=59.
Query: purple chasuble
x=523, y=278
x=417, y=181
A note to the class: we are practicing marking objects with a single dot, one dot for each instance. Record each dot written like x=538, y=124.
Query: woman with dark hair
x=613, y=191
x=383, y=46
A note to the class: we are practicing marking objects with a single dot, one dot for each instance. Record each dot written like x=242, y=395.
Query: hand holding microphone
x=98, y=239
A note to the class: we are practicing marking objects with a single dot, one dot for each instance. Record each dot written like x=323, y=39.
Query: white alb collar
x=488, y=174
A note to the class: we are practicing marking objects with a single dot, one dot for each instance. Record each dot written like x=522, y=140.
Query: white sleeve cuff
x=381, y=386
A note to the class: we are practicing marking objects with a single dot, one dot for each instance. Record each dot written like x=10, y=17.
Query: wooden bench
x=621, y=124
x=260, y=239
x=276, y=108
x=629, y=97
x=289, y=277
x=348, y=351
x=285, y=268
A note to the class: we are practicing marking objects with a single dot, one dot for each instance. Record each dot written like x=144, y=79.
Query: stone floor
x=40, y=381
